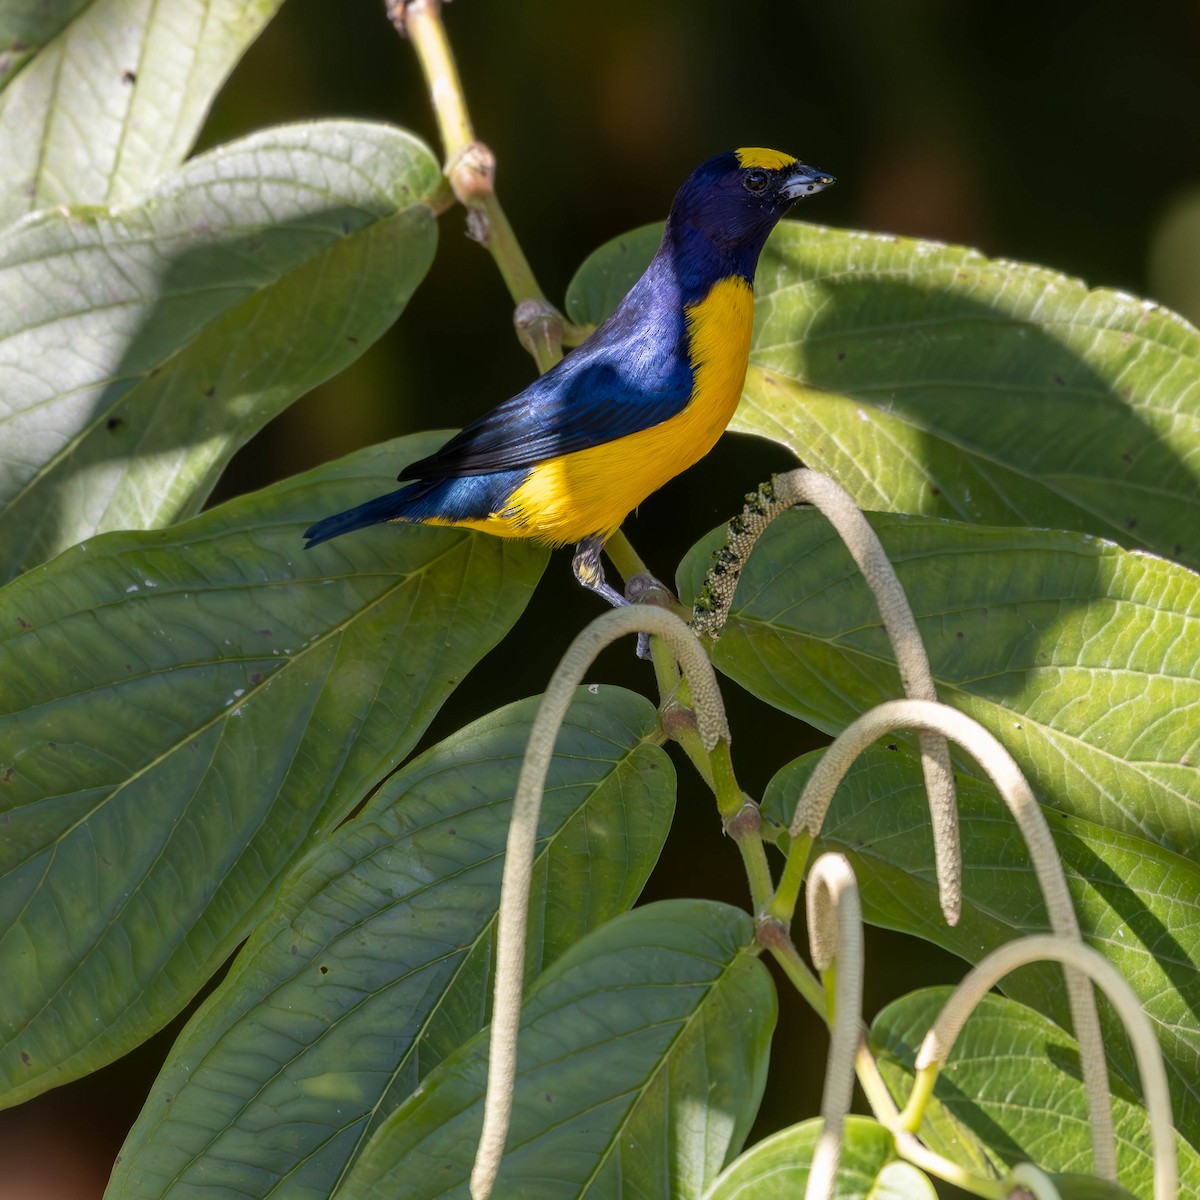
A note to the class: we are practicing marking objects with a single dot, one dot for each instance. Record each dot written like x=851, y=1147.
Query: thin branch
x=774, y=936
x=912, y=1150
x=421, y=21
x=745, y=828
x=470, y=168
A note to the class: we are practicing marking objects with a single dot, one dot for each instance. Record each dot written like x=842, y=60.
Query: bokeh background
x=1062, y=133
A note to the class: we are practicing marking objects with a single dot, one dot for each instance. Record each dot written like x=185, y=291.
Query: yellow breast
x=592, y=491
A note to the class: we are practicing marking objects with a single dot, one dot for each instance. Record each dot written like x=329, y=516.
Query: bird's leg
x=590, y=572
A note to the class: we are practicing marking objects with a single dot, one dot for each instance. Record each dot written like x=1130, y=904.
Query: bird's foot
x=590, y=572
x=645, y=588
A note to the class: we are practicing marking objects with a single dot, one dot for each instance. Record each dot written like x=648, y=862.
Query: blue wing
x=632, y=373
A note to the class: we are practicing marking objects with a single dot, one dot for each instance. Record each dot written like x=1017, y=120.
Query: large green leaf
x=182, y=713
x=929, y=379
x=777, y=1168
x=141, y=346
x=1012, y=1089
x=1138, y=904
x=1079, y=656
x=641, y=1063
x=100, y=97
x=375, y=962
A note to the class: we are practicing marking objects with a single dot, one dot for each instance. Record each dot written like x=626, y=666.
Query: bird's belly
x=590, y=492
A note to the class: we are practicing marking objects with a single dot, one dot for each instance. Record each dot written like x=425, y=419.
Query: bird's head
x=735, y=199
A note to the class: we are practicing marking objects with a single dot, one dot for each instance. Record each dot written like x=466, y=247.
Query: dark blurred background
x=1066, y=134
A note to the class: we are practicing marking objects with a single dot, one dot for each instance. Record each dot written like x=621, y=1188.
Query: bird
x=645, y=396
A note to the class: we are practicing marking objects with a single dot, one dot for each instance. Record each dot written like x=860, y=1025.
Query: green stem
x=787, y=895
x=624, y=557
x=729, y=796
x=629, y=563
x=421, y=22
x=506, y=250
x=666, y=672
x=745, y=827
x=679, y=721
x=574, y=335
x=914, y=1110
x=872, y=1084
x=471, y=170
x=774, y=936
x=909, y=1148
x=829, y=982
x=677, y=711
x=907, y=1144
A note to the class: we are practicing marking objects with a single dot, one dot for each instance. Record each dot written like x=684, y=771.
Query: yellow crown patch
x=756, y=156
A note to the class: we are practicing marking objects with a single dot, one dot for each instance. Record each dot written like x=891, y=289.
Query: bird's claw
x=590, y=572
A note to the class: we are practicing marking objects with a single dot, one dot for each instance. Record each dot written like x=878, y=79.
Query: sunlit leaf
x=183, y=712
x=141, y=346
x=100, y=97
x=1079, y=656
x=1138, y=904
x=1013, y=1085
x=777, y=1168
x=641, y=1062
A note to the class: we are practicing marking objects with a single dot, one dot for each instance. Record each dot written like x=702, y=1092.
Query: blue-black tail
x=466, y=498
x=392, y=507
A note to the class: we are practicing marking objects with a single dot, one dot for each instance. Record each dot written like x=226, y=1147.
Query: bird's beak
x=805, y=181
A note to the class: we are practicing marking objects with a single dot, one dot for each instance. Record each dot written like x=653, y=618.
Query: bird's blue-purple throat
x=642, y=399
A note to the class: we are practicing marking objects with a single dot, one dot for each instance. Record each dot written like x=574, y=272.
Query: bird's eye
x=754, y=181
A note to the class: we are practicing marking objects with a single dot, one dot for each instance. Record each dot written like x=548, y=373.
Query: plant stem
x=787, y=895
x=745, y=827
x=421, y=22
x=873, y=1085
x=624, y=557
x=922, y=1089
x=775, y=938
x=679, y=721
x=729, y=795
x=910, y=1149
x=470, y=168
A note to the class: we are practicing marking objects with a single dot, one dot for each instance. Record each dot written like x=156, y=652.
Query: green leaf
x=142, y=346
x=641, y=1063
x=609, y=272
x=375, y=962
x=1138, y=904
x=100, y=97
x=1012, y=1085
x=1079, y=656
x=929, y=379
x=777, y=1168
x=183, y=713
